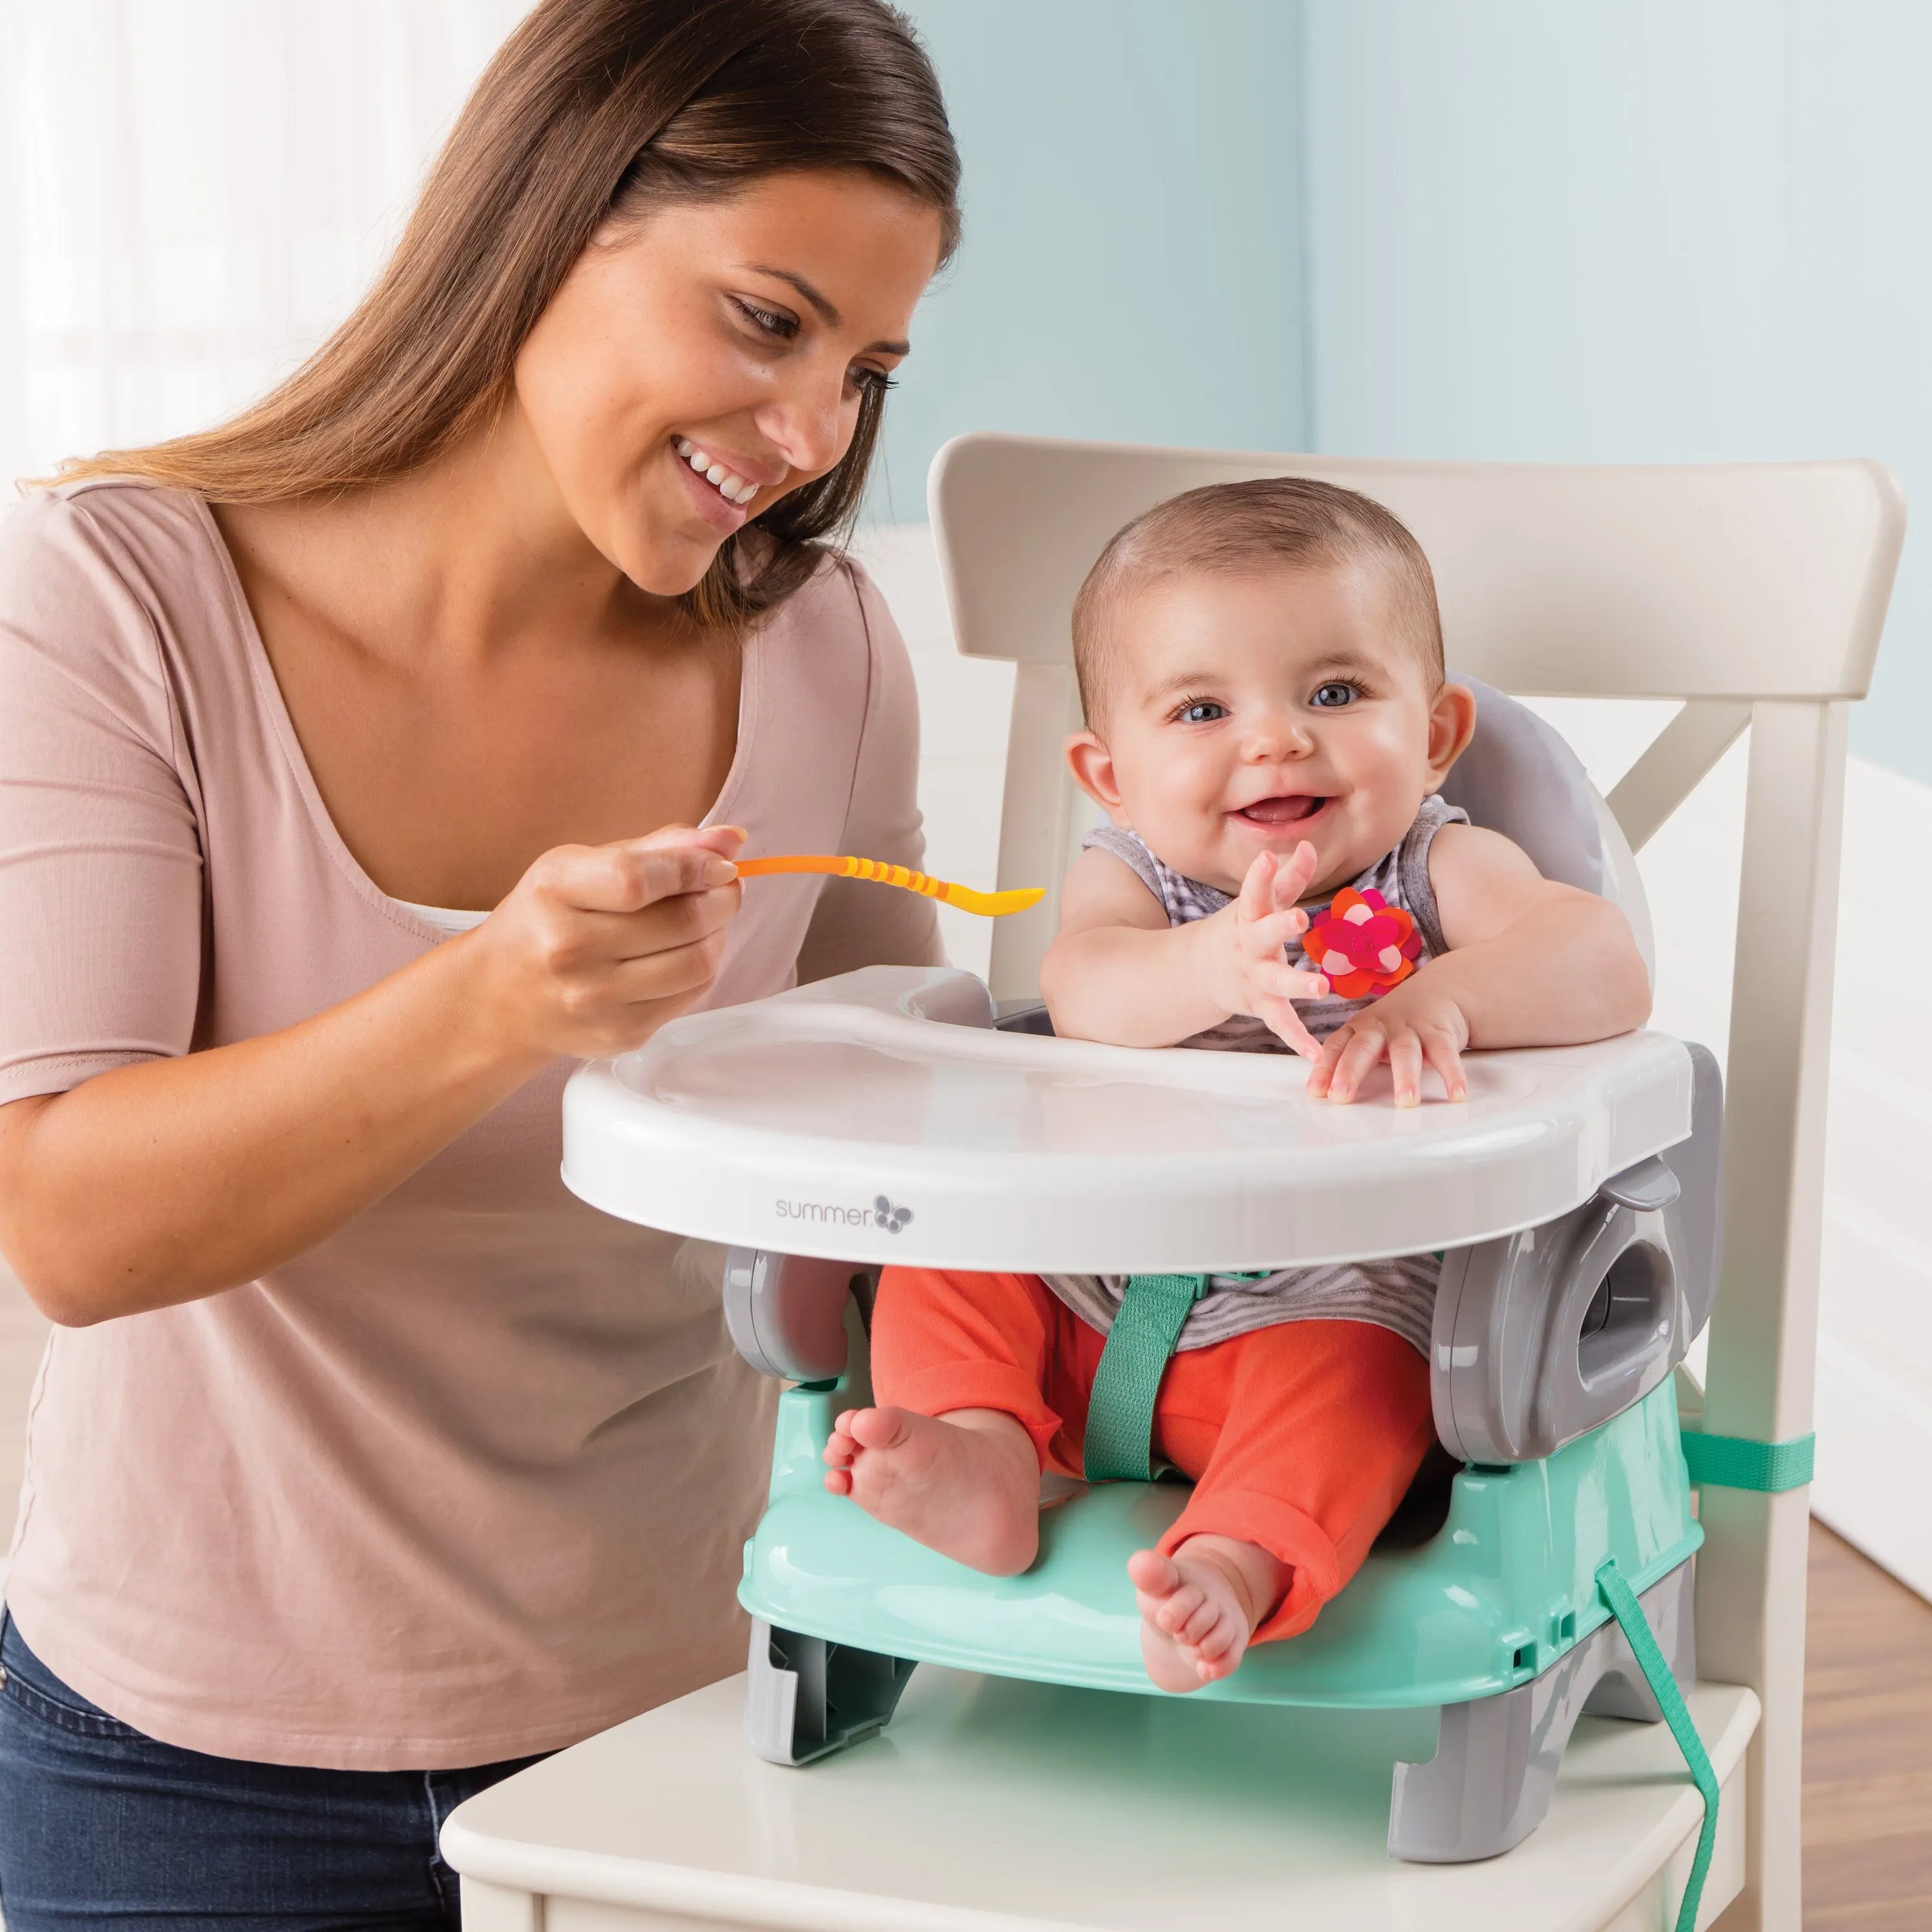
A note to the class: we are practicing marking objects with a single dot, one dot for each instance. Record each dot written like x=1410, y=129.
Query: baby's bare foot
x=1199, y=1606
x=966, y=1484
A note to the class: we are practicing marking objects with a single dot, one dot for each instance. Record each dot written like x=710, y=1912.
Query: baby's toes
x=1177, y=1611
x=1217, y=1638
x=1153, y=1577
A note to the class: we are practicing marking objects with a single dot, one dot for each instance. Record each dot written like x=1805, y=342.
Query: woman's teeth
x=732, y=488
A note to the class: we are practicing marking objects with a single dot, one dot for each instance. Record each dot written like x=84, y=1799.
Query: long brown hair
x=592, y=110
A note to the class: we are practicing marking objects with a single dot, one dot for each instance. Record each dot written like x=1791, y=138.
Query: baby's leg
x=1302, y=1438
x=952, y=1455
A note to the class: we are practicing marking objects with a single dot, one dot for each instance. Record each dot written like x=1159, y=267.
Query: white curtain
x=193, y=192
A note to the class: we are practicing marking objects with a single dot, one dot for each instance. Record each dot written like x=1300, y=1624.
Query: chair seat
x=990, y=1806
x=846, y=1120
x=1492, y=1600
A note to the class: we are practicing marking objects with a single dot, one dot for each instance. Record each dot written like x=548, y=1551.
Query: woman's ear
x=1092, y=765
x=1452, y=724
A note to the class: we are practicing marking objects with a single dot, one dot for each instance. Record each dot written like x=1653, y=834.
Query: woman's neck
x=474, y=555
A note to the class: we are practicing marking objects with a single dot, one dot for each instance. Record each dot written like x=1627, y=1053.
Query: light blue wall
x=1131, y=267
x=1671, y=230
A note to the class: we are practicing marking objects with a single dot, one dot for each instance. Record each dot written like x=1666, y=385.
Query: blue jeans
x=101, y=1825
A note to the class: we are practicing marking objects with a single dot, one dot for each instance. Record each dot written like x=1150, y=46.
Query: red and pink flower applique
x=1366, y=946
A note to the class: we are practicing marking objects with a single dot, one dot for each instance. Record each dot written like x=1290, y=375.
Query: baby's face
x=1247, y=713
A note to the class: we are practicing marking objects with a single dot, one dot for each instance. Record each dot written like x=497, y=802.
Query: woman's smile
x=722, y=496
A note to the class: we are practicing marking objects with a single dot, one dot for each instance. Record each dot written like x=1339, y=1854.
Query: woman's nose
x=808, y=424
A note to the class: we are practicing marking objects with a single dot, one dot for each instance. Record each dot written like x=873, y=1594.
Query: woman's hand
x=1248, y=969
x=598, y=946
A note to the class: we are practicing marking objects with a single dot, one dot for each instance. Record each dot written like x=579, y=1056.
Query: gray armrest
x=787, y=1312
x=1540, y=1337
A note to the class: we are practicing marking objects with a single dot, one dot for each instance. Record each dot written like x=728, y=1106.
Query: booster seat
x=902, y=1115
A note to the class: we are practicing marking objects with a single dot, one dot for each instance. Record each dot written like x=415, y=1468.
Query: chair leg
x=1489, y=1783
x=805, y=1698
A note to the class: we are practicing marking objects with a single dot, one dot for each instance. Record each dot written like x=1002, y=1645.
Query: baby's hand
x=1413, y=1024
x=1254, y=975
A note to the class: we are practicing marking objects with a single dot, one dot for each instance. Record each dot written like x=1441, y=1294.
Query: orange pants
x=1302, y=1438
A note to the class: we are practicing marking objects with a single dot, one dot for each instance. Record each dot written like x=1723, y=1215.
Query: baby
x=1268, y=723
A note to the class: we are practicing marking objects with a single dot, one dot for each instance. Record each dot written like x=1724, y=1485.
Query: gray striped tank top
x=1398, y=1294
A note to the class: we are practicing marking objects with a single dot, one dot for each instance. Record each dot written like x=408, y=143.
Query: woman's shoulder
x=102, y=578
x=105, y=534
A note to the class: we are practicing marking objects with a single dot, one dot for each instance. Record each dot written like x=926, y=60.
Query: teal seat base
x=1502, y=1590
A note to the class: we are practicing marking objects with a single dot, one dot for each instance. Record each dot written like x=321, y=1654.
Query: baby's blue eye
x=1332, y=696
x=1205, y=712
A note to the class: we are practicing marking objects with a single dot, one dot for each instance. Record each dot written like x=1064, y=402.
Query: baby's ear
x=1092, y=765
x=1452, y=724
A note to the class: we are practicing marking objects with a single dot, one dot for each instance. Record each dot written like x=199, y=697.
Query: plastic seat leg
x=1489, y=1783
x=805, y=1698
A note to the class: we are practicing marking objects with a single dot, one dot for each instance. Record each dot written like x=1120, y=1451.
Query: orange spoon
x=989, y=905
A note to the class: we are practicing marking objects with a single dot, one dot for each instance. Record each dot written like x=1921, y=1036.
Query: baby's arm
x=1118, y=972
x=1530, y=963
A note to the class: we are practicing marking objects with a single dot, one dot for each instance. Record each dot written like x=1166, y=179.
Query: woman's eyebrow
x=828, y=312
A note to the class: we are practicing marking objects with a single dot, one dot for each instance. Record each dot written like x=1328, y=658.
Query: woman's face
x=698, y=365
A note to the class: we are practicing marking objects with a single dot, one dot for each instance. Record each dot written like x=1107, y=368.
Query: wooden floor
x=1868, y=1701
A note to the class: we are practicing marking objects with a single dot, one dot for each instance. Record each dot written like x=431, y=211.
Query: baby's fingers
x=1295, y=874
x=1405, y=1059
x=1365, y=1049
x=1287, y=1026
x=1279, y=980
x=1256, y=898
x=1439, y=1050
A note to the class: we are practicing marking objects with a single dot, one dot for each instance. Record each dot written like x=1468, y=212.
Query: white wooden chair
x=1755, y=593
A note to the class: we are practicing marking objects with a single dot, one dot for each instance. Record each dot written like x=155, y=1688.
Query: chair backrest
x=1754, y=592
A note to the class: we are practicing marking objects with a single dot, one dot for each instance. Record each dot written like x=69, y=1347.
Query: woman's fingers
x=628, y=877
x=599, y=946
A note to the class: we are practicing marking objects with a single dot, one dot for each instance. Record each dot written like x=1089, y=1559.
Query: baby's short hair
x=1228, y=529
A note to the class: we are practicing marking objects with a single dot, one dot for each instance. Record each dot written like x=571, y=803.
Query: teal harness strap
x=1636, y=1626
x=1120, y=1412
x=1737, y=1462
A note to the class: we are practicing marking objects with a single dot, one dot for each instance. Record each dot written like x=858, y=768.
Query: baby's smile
x=1286, y=808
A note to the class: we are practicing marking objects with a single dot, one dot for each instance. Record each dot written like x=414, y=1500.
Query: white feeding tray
x=878, y=1117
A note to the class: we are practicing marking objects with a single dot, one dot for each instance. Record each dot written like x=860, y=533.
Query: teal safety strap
x=1737, y=1462
x=1119, y=1411
x=1636, y=1626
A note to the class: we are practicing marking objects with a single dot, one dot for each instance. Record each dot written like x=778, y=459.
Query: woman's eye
x=1332, y=696
x=1204, y=711
x=770, y=320
x=872, y=382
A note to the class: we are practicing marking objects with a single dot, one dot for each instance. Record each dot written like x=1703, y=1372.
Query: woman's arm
x=178, y=1177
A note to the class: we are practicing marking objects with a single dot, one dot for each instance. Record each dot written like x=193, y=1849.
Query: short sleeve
x=856, y=924
x=100, y=866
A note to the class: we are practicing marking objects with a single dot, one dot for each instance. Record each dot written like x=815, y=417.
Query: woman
x=366, y=1462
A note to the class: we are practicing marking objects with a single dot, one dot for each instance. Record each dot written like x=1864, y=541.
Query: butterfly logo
x=889, y=1217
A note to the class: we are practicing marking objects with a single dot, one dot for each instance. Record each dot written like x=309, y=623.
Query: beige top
x=470, y=1478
